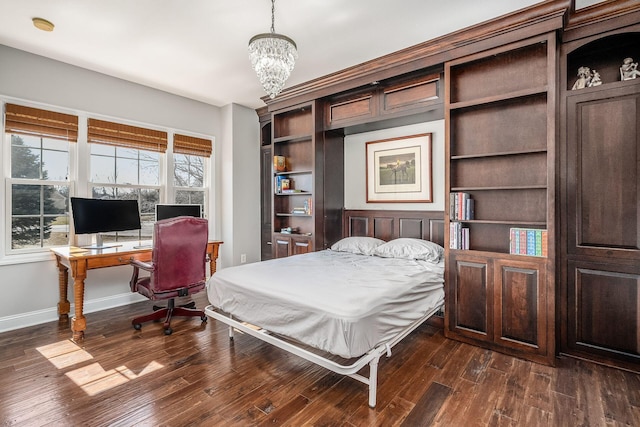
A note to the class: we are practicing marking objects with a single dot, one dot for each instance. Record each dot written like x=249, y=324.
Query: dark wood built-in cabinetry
x=600, y=252
x=527, y=149
x=501, y=128
x=311, y=208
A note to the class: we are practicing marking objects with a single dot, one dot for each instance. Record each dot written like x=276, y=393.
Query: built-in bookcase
x=499, y=108
x=306, y=215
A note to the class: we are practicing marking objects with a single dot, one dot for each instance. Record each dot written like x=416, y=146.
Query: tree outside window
x=39, y=192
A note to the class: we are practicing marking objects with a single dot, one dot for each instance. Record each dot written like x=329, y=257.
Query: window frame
x=79, y=177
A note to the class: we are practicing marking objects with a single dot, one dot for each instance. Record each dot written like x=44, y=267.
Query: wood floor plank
x=510, y=402
x=428, y=406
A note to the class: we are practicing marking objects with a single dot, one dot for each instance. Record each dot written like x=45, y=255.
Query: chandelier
x=272, y=57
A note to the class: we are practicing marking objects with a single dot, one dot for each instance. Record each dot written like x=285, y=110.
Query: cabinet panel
x=282, y=246
x=286, y=245
x=606, y=157
x=604, y=310
x=470, y=287
x=343, y=110
x=300, y=245
x=520, y=304
x=409, y=94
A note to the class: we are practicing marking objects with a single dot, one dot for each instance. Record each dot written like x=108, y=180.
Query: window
x=125, y=164
x=37, y=188
x=44, y=167
x=189, y=159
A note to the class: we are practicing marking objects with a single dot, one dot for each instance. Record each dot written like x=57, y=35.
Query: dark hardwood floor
x=122, y=377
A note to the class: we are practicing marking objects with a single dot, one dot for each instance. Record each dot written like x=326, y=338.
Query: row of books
x=528, y=241
x=458, y=236
x=306, y=209
x=461, y=206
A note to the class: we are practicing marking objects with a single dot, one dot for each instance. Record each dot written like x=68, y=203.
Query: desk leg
x=213, y=259
x=63, y=285
x=79, y=322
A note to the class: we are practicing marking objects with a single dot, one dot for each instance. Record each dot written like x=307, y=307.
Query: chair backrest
x=179, y=252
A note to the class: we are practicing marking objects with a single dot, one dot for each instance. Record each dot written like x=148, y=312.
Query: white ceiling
x=198, y=48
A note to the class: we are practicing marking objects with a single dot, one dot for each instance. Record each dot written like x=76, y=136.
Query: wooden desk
x=81, y=260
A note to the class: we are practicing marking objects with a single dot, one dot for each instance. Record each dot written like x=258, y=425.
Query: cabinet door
x=469, y=299
x=300, y=245
x=282, y=246
x=604, y=310
x=520, y=304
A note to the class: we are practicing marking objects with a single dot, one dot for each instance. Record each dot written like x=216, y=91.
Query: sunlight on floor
x=92, y=378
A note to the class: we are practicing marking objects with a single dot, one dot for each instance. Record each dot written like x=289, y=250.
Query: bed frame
x=385, y=225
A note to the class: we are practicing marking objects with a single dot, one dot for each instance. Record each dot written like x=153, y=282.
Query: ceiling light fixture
x=42, y=24
x=273, y=57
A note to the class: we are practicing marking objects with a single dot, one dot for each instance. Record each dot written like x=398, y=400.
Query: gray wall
x=31, y=282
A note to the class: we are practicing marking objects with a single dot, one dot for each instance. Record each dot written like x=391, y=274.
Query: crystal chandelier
x=272, y=57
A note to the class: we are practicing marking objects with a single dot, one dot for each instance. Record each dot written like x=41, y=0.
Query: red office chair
x=177, y=268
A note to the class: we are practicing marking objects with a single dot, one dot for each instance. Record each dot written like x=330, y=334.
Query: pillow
x=407, y=248
x=357, y=245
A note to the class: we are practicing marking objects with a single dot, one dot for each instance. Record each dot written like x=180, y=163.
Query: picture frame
x=399, y=170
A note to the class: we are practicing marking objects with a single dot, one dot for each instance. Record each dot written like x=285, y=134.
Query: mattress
x=339, y=302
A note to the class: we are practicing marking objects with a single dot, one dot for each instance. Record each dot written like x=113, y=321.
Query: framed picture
x=399, y=170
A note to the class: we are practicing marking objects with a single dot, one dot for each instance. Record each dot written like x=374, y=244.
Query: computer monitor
x=165, y=211
x=96, y=216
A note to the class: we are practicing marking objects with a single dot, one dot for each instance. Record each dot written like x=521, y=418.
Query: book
x=528, y=241
x=461, y=206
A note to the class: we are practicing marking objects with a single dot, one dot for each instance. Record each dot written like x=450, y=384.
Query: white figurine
x=584, y=78
x=595, y=79
x=628, y=70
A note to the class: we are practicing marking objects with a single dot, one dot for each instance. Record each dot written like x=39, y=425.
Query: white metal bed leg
x=373, y=381
x=230, y=330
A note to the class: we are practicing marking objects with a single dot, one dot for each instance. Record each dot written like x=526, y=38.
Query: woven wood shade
x=34, y=121
x=120, y=135
x=184, y=144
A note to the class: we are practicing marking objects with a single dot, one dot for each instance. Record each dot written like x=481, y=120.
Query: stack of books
x=461, y=206
x=458, y=236
x=528, y=241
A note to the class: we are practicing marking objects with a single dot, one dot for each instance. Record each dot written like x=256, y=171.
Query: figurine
x=628, y=70
x=595, y=79
x=584, y=78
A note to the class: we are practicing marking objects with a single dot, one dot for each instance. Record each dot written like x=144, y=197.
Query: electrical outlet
x=243, y=258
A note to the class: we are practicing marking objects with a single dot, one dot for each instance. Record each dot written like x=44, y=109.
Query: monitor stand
x=99, y=244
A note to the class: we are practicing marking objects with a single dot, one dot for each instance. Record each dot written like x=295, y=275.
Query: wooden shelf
x=299, y=193
x=292, y=138
x=505, y=187
x=515, y=95
x=298, y=172
x=488, y=221
x=498, y=154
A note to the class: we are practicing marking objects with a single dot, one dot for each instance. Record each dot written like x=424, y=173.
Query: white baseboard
x=22, y=320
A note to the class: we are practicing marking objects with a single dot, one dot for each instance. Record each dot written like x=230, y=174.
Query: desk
x=81, y=260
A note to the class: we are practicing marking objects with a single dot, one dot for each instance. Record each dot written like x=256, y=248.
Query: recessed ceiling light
x=42, y=24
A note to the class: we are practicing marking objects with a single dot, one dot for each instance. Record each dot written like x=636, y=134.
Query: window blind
x=121, y=135
x=183, y=144
x=36, y=122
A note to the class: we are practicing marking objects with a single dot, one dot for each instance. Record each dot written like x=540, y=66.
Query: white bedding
x=338, y=302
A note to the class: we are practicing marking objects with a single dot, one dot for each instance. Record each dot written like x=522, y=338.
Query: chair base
x=167, y=313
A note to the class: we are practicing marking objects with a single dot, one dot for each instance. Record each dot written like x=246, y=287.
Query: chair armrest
x=146, y=266
x=137, y=266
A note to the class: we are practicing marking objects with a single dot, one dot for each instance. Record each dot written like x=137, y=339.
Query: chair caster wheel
x=204, y=318
x=137, y=326
x=168, y=331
